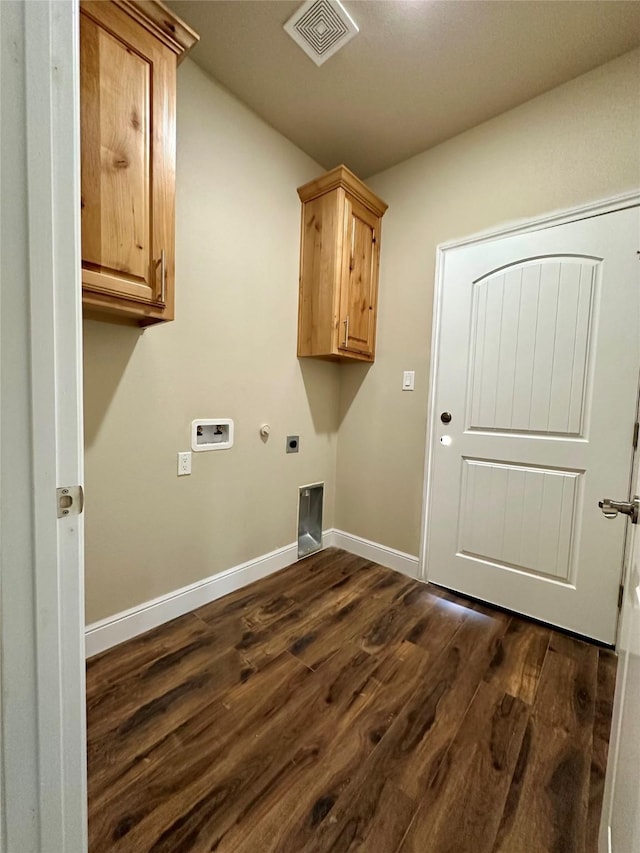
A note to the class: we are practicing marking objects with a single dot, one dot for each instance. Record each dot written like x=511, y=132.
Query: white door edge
x=561, y=217
x=612, y=760
x=43, y=744
x=623, y=702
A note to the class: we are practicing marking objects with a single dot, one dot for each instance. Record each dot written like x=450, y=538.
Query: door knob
x=611, y=508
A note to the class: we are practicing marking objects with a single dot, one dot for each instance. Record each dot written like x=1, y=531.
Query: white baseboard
x=113, y=630
x=398, y=560
x=108, y=632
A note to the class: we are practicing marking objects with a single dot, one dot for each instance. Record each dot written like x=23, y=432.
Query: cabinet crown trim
x=163, y=24
x=343, y=177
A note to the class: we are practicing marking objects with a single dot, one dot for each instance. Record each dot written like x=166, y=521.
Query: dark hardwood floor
x=338, y=705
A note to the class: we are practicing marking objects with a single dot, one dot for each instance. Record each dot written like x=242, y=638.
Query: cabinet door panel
x=321, y=246
x=116, y=168
x=127, y=107
x=358, y=290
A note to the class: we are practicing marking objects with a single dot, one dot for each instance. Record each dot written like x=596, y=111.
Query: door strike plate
x=70, y=500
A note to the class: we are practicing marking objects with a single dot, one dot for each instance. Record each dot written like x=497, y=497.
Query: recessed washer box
x=211, y=434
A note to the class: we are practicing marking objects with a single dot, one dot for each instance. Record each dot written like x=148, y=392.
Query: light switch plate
x=184, y=463
x=408, y=380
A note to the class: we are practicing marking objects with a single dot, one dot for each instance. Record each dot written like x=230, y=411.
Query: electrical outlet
x=184, y=463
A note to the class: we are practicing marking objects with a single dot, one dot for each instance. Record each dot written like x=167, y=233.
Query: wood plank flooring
x=340, y=706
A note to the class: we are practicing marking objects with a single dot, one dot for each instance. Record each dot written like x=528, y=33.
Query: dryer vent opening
x=310, y=499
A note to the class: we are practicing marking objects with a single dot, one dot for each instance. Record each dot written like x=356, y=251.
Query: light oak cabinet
x=128, y=57
x=339, y=259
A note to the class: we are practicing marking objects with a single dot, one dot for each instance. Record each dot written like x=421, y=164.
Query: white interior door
x=536, y=361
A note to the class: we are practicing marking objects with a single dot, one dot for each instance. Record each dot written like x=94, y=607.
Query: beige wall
x=230, y=353
x=575, y=144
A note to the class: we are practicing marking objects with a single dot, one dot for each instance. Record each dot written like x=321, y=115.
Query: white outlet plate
x=408, y=380
x=184, y=463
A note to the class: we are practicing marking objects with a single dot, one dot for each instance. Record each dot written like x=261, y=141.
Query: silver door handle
x=611, y=508
x=346, y=332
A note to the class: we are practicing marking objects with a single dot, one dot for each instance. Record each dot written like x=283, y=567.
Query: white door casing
x=43, y=745
x=536, y=355
x=620, y=825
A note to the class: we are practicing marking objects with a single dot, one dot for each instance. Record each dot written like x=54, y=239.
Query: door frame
x=621, y=700
x=43, y=793
x=562, y=217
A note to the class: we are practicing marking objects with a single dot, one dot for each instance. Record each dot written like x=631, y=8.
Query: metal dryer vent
x=321, y=28
x=310, y=499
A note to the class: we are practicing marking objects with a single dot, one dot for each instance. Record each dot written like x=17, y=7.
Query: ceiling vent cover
x=321, y=28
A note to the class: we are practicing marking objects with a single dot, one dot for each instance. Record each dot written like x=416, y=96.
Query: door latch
x=70, y=500
x=610, y=508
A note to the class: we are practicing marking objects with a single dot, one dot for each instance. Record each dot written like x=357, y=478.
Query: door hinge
x=636, y=427
x=620, y=596
x=70, y=500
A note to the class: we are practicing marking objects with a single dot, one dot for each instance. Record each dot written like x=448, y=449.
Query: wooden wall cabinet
x=128, y=57
x=339, y=259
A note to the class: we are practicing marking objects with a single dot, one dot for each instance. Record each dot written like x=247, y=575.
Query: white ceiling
x=419, y=71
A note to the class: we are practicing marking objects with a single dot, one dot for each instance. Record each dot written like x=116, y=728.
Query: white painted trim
x=53, y=172
x=431, y=401
x=625, y=705
x=549, y=220
x=43, y=743
x=390, y=557
x=585, y=211
x=109, y=632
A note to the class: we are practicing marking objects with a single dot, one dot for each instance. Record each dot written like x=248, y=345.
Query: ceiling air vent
x=321, y=28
